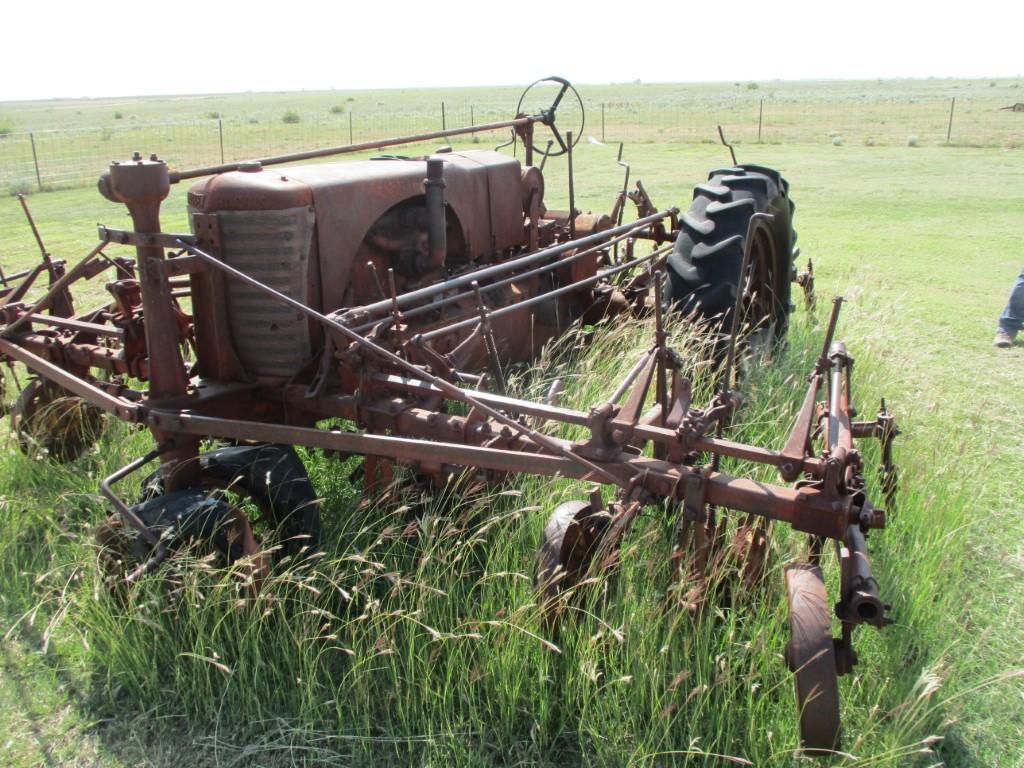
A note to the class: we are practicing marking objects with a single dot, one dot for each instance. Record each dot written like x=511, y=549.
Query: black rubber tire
x=190, y=515
x=274, y=477
x=704, y=266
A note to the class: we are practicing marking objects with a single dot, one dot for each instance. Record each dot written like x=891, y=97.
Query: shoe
x=1003, y=339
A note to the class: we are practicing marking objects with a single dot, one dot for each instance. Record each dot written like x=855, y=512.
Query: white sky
x=112, y=47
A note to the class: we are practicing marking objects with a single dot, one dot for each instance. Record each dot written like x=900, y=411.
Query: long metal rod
x=449, y=389
x=80, y=326
x=549, y=295
x=7, y=279
x=839, y=432
x=402, y=449
x=35, y=231
x=346, y=149
x=481, y=275
x=627, y=382
x=826, y=344
x=448, y=300
x=572, y=188
x=20, y=291
x=123, y=509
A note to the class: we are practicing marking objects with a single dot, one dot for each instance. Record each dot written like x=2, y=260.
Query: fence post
x=472, y=118
x=444, y=125
x=350, y=126
x=760, y=115
x=949, y=130
x=602, y=121
x=220, y=134
x=35, y=158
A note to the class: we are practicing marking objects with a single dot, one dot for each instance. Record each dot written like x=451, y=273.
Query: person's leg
x=1012, y=319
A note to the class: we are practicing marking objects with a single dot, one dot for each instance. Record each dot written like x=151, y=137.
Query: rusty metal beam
x=807, y=510
x=122, y=408
x=294, y=157
x=79, y=326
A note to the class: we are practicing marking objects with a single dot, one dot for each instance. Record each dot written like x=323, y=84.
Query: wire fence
x=70, y=157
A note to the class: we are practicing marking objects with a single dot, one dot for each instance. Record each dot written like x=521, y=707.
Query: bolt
x=136, y=156
x=786, y=467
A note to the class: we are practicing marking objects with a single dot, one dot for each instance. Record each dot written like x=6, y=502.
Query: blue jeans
x=1012, y=319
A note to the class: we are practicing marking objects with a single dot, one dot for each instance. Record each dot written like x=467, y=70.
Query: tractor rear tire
x=704, y=267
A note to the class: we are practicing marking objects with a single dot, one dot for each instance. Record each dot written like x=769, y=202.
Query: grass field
x=416, y=639
x=69, y=135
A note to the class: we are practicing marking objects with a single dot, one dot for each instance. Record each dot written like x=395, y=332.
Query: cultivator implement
x=45, y=417
x=400, y=318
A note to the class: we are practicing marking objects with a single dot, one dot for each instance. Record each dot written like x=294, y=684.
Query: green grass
x=415, y=639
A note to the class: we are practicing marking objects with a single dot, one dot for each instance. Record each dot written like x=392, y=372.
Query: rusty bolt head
x=136, y=155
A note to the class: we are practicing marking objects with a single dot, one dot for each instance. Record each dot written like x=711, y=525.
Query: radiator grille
x=271, y=339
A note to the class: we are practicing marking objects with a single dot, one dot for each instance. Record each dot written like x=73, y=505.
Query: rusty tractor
x=384, y=291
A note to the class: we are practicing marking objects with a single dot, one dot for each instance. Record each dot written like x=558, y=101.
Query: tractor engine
x=339, y=236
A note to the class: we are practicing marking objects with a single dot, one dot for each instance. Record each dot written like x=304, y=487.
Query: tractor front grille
x=271, y=339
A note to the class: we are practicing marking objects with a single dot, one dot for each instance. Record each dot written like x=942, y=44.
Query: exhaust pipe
x=437, y=235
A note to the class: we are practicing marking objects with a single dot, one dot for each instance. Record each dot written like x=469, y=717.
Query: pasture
x=415, y=639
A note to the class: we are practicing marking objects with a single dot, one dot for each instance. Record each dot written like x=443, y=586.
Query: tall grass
x=416, y=636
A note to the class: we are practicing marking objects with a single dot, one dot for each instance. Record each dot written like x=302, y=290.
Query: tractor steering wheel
x=546, y=115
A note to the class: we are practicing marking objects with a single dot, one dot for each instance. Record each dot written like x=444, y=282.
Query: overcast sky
x=113, y=48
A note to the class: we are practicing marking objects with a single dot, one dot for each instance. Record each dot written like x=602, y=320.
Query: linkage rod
x=448, y=300
x=486, y=273
x=346, y=149
x=509, y=308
